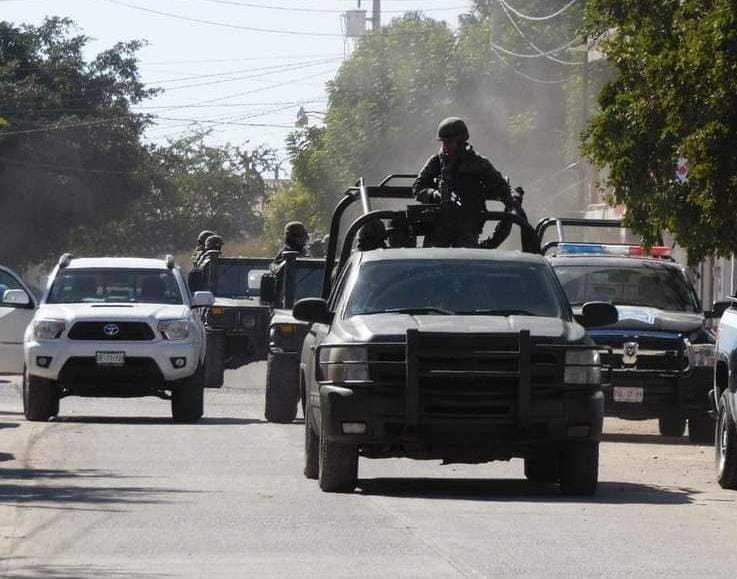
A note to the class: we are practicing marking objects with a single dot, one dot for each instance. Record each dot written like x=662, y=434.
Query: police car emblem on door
x=111, y=330
x=629, y=353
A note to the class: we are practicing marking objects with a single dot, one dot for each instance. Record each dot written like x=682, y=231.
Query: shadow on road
x=9, y=424
x=648, y=439
x=212, y=421
x=6, y=456
x=68, y=571
x=79, y=487
x=503, y=490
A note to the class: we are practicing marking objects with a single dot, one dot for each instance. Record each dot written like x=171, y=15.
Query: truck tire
x=282, y=388
x=701, y=429
x=579, y=469
x=542, y=469
x=188, y=398
x=312, y=450
x=338, y=466
x=672, y=425
x=215, y=361
x=40, y=398
x=726, y=447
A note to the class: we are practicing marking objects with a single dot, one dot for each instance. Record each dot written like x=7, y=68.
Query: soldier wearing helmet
x=372, y=236
x=200, y=247
x=295, y=239
x=461, y=180
x=213, y=248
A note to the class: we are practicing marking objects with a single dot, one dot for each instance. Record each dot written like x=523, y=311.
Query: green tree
x=389, y=95
x=70, y=150
x=191, y=186
x=675, y=95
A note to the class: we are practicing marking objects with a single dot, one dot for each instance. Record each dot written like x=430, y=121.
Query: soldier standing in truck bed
x=461, y=180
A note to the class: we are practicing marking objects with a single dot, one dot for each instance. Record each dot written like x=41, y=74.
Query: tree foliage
x=675, y=95
x=75, y=174
x=192, y=186
x=389, y=95
x=70, y=151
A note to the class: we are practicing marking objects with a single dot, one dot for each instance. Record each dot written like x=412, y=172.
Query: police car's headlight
x=174, y=330
x=582, y=367
x=344, y=364
x=48, y=329
x=701, y=354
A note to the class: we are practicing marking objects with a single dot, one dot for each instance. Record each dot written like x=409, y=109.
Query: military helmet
x=294, y=228
x=202, y=237
x=371, y=235
x=452, y=128
x=214, y=242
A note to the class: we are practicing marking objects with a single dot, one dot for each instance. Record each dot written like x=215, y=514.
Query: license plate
x=111, y=358
x=628, y=394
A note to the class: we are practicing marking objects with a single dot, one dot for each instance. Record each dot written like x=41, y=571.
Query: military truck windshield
x=118, y=285
x=308, y=282
x=238, y=279
x=449, y=287
x=655, y=286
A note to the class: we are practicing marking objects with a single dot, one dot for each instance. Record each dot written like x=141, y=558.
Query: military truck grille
x=126, y=331
x=480, y=376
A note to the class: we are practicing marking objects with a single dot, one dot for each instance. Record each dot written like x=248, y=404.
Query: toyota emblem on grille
x=629, y=353
x=111, y=330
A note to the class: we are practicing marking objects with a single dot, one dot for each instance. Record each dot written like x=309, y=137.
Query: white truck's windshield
x=115, y=285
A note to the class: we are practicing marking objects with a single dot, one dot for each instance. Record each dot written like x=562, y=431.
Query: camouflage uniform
x=461, y=183
x=200, y=247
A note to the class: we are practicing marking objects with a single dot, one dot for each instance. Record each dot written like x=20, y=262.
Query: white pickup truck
x=116, y=327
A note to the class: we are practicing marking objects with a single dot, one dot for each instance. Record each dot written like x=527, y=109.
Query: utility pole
x=584, y=197
x=376, y=16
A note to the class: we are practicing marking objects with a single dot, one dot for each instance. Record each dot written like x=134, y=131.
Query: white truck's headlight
x=344, y=364
x=701, y=354
x=175, y=330
x=48, y=329
x=582, y=367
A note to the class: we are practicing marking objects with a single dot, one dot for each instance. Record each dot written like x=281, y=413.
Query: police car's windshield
x=118, y=285
x=476, y=287
x=651, y=285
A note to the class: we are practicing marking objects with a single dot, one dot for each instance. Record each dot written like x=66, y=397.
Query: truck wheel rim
x=723, y=441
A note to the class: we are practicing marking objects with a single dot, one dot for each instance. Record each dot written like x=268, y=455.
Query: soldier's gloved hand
x=429, y=196
x=515, y=199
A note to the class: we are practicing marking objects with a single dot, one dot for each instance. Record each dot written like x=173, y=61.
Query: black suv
x=662, y=348
x=464, y=355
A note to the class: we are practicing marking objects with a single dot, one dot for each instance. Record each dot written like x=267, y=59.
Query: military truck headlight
x=48, y=329
x=174, y=330
x=701, y=354
x=582, y=367
x=344, y=364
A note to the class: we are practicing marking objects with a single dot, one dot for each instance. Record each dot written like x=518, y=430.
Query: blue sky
x=226, y=72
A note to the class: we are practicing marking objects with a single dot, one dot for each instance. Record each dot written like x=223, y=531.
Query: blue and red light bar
x=612, y=249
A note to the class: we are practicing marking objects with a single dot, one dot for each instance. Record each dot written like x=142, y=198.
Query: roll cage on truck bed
x=457, y=394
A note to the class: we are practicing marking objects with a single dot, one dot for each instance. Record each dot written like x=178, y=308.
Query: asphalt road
x=112, y=488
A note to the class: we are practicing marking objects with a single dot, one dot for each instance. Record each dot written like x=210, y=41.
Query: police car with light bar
x=662, y=348
x=115, y=327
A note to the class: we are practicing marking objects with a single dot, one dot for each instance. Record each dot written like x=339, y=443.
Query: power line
x=320, y=10
x=540, y=51
x=566, y=46
x=527, y=76
x=538, y=18
x=221, y=24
